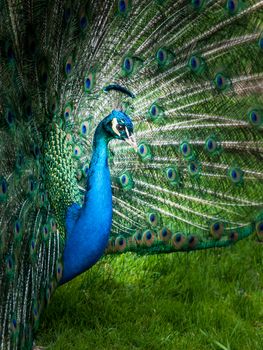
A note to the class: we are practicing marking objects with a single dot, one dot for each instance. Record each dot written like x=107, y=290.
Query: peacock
x=126, y=126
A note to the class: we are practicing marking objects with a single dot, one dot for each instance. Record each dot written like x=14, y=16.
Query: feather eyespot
x=36, y=308
x=148, y=237
x=35, y=311
x=172, y=175
x=192, y=241
x=10, y=266
x=164, y=57
x=144, y=151
x=68, y=109
x=155, y=112
x=153, y=218
x=178, y=240
x=83, y=18
x=84, y=128
x=85, y=169
x=89, y=82
x=222, y=82
x=59, y=271
x=68, y=66
x=14, y=327
x=165, y=234
x=124, y=6
x=233, y=236
x=52, y=225
x=137, y=238
x=83, y=22
x=233, y=6
x=67, y=12
x=216, y=229
x=236, y=175
x=126, y=181
x=33, y=244
x=130, y=65
x=196, y=64
x=120, y=243
x=17, y=229
x=194, y=168
x=111, y=245
x=3, y=189
x=212, y=146
x=45, y=232
x=161, y=56
x=10, y=118
x=77, y=152
x=186, y=150
x=49, y=290
x=9, y=262
x=33, y=247
x=255, y=117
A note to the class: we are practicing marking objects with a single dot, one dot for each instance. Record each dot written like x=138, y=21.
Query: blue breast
x=88, y=227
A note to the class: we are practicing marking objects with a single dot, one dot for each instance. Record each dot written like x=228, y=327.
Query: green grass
x=201, y=300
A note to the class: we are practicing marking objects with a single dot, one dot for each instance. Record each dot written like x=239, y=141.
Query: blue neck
x=88, y=227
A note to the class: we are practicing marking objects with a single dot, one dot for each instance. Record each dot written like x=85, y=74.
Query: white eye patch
x=114, y=126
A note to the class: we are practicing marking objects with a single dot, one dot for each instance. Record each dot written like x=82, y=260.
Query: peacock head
x=118, y=125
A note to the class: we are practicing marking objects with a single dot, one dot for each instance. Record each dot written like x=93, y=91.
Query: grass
x=201, y=300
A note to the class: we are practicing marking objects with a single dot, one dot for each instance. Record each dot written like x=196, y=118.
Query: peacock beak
x=131, y=140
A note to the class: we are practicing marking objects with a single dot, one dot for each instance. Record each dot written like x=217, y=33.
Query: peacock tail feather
x=194, y=73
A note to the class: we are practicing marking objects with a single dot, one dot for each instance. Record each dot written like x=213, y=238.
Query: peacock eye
x=120, y=127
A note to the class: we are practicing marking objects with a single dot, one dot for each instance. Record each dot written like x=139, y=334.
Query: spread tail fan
x=189, y=74
x=196, y=180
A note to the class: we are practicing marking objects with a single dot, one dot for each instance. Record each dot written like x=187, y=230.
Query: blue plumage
x=88, y=227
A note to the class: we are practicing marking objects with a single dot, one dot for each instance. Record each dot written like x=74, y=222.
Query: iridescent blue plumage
x=88, y=227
